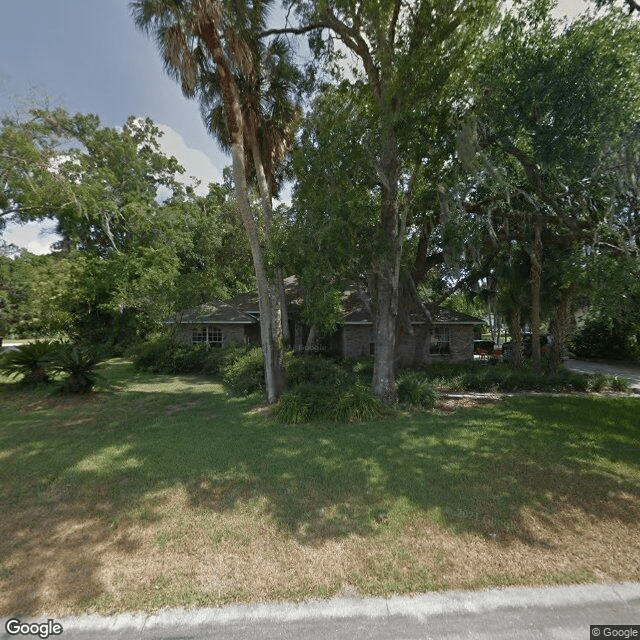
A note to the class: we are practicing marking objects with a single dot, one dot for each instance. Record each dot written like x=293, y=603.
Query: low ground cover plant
x=321, y=388
x=483, y=377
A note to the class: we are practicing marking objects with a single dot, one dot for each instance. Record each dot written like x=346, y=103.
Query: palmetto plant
x=32, y=361
x=79, y=364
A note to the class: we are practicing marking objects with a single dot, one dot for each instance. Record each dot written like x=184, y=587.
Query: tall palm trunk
x=270, y=328
x=267, y=210
x=270, y=335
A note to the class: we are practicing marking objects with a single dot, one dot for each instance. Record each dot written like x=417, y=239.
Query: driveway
x=632, y=374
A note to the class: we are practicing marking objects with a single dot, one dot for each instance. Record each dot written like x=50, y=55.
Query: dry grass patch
x=168, y=493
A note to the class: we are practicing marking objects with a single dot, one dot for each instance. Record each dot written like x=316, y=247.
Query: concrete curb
x=420, y=606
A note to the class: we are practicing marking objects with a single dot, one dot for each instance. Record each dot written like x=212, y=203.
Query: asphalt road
x=548, y=613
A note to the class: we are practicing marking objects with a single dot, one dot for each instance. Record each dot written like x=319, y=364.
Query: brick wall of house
x=356, y=340
x=231, y=333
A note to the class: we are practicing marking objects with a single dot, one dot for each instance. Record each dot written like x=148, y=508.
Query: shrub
x=79, y=363
x=243, y=370
x=166, y=355
x=313, y=368
x=313, y=401
x=414, y=389
x=31, y=360
x=608, y=338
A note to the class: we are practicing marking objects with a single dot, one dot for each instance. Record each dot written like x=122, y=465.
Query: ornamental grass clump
x=314, y=401
x=617, y=383
x=416, y=390
x=355, y=403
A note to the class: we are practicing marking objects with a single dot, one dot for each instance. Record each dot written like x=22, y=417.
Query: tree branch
x=292, y=30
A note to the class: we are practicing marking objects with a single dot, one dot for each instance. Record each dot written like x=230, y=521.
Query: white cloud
x=36, y=237
x=195, y=162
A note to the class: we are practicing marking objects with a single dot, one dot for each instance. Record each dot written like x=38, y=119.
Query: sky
x=87, y=56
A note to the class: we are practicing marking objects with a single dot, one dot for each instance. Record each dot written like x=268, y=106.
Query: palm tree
x=210, y=47
x=269, y=111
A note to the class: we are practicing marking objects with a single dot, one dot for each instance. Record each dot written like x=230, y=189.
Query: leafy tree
x=126, y=257
x=408, y=58
x=551, y=103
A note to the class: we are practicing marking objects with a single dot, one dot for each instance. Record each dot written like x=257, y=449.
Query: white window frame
x=441, y=340
x=213, y=336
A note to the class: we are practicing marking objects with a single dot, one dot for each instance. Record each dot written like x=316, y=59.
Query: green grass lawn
x=164, y=491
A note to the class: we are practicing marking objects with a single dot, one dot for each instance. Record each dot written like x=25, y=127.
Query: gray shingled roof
x=244, y=308
x=217, y=311
x=248, y=302
x=356, y=312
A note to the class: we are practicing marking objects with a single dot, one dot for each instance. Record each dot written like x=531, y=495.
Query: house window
x=372, y=348
x=207, y=335
x=199, y=335
x=215, y=336
x=440, y=340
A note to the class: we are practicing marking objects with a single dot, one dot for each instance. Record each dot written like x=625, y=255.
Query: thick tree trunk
x=561, y=327
x=387, y=275
x=515, y=329
x=536, y=273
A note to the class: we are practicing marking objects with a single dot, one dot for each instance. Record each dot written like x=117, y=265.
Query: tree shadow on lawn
x=83, y=480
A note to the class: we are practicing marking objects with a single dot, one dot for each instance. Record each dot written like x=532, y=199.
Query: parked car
x=507, y=347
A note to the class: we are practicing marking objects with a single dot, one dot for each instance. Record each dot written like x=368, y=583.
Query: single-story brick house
x=221, y=323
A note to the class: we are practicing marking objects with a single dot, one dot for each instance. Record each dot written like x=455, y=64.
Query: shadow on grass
x=78, y=477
